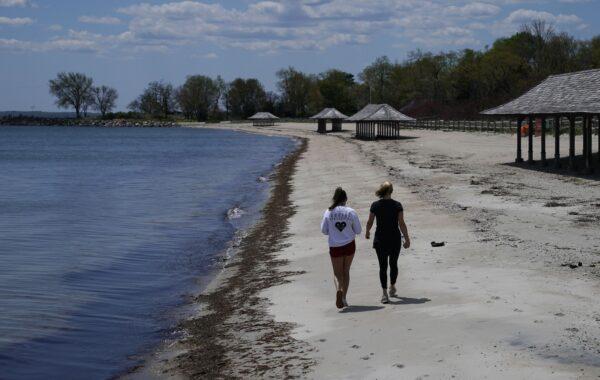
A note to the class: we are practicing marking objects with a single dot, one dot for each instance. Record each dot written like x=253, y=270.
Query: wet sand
x=495, y=302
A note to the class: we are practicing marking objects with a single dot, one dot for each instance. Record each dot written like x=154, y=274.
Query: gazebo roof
x=330, y=114
x=263, y=116
x=379, y=112
x=572, y=93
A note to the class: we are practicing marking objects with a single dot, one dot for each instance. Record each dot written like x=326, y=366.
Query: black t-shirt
x=386, y=213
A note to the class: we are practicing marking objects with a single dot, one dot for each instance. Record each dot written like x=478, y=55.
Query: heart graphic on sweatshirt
x=340, y=226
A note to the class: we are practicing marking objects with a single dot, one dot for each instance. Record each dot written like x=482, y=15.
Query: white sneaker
x=384, y=297
x=392, y=291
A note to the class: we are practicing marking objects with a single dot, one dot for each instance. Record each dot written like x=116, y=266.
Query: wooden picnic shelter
x=263, y=119
x=335, y=116
x=573, y=98
x=376, y=121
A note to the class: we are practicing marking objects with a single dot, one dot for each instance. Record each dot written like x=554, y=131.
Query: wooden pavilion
x=379, y=121
x=572, y=97
x=332, y=114
x=263, y=119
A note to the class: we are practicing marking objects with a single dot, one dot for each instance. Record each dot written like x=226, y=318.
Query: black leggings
x=385, y=255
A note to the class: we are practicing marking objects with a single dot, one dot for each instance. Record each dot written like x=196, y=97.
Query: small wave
x=235, y=213
x=262, y=179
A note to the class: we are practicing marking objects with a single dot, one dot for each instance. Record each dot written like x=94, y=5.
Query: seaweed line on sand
x=236, y=337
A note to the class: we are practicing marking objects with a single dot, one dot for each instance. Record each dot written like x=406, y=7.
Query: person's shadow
x=360, y=308
x=408, y=300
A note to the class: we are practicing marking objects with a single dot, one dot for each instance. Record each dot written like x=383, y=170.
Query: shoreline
x=230, y=303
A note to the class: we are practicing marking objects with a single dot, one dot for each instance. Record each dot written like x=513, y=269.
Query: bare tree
x=157, y=100
x=104, y=99
x=71, y=90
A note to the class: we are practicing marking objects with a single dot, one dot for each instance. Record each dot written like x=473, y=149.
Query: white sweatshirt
x=341, y=224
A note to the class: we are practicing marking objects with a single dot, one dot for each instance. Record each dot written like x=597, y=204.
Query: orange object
x=538, y=127
x=524, y=130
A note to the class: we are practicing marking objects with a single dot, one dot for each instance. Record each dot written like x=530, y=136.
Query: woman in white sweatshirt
x=341, y=224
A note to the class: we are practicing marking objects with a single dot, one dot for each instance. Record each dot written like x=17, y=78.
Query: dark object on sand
x=436, y=244
x=572, y=266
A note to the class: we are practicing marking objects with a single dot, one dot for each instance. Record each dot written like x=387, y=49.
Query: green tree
x=199, y=96
x=298, y=94
x=72, y=90
x=377, y=78
x=245, y=97
x=337, y=89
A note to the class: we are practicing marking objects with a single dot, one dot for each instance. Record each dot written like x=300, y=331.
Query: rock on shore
x=115, y=123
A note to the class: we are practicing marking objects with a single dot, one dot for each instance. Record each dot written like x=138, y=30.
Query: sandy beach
x=497, y=301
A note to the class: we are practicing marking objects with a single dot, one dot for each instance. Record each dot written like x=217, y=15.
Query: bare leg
x=338, y=272
x=347, y=264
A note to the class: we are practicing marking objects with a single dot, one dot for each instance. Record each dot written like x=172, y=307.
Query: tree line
x=455, y=84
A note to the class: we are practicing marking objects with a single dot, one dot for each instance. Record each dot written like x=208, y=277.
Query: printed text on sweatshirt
x=341, y=224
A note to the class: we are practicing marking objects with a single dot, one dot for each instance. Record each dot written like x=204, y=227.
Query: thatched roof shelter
x=263, y=119
x=329, y=114
x=379, y=121
x=566, y=94
x=572, y=96
x=332, y=114
x=379, y=112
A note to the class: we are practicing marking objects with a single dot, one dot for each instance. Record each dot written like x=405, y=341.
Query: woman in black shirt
x=388, y=239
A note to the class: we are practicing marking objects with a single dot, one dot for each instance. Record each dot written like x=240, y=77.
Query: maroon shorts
x=344, y=250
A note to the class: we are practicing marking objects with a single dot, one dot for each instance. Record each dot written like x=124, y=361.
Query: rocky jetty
x=115, y=123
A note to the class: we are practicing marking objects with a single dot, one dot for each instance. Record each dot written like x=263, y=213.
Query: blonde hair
x=385, y=189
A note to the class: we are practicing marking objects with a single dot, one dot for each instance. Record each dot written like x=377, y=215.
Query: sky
x=127, y=44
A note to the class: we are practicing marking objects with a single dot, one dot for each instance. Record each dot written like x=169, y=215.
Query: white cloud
x=521, y=16
x=271, y=26
x=13, y=3
x=72, y=45
x=474, y=10
x=16, y=21
x=55, y=27
x=99, y=20
x=210, y=56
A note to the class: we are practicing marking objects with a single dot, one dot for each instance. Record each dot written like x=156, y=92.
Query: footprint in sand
x=399, y=365
x=355, y=346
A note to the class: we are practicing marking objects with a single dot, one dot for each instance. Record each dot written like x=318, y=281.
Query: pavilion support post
x=572, y=165
x=587, y=154
x=543, y=141
x=557, y=142
x=322, y=126
x=584, y=137
x=598, y=130
x=519, y=151
x=336, y=125
x=530, y=140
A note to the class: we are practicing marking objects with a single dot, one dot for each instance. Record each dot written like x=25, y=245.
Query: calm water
x=102, y=232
